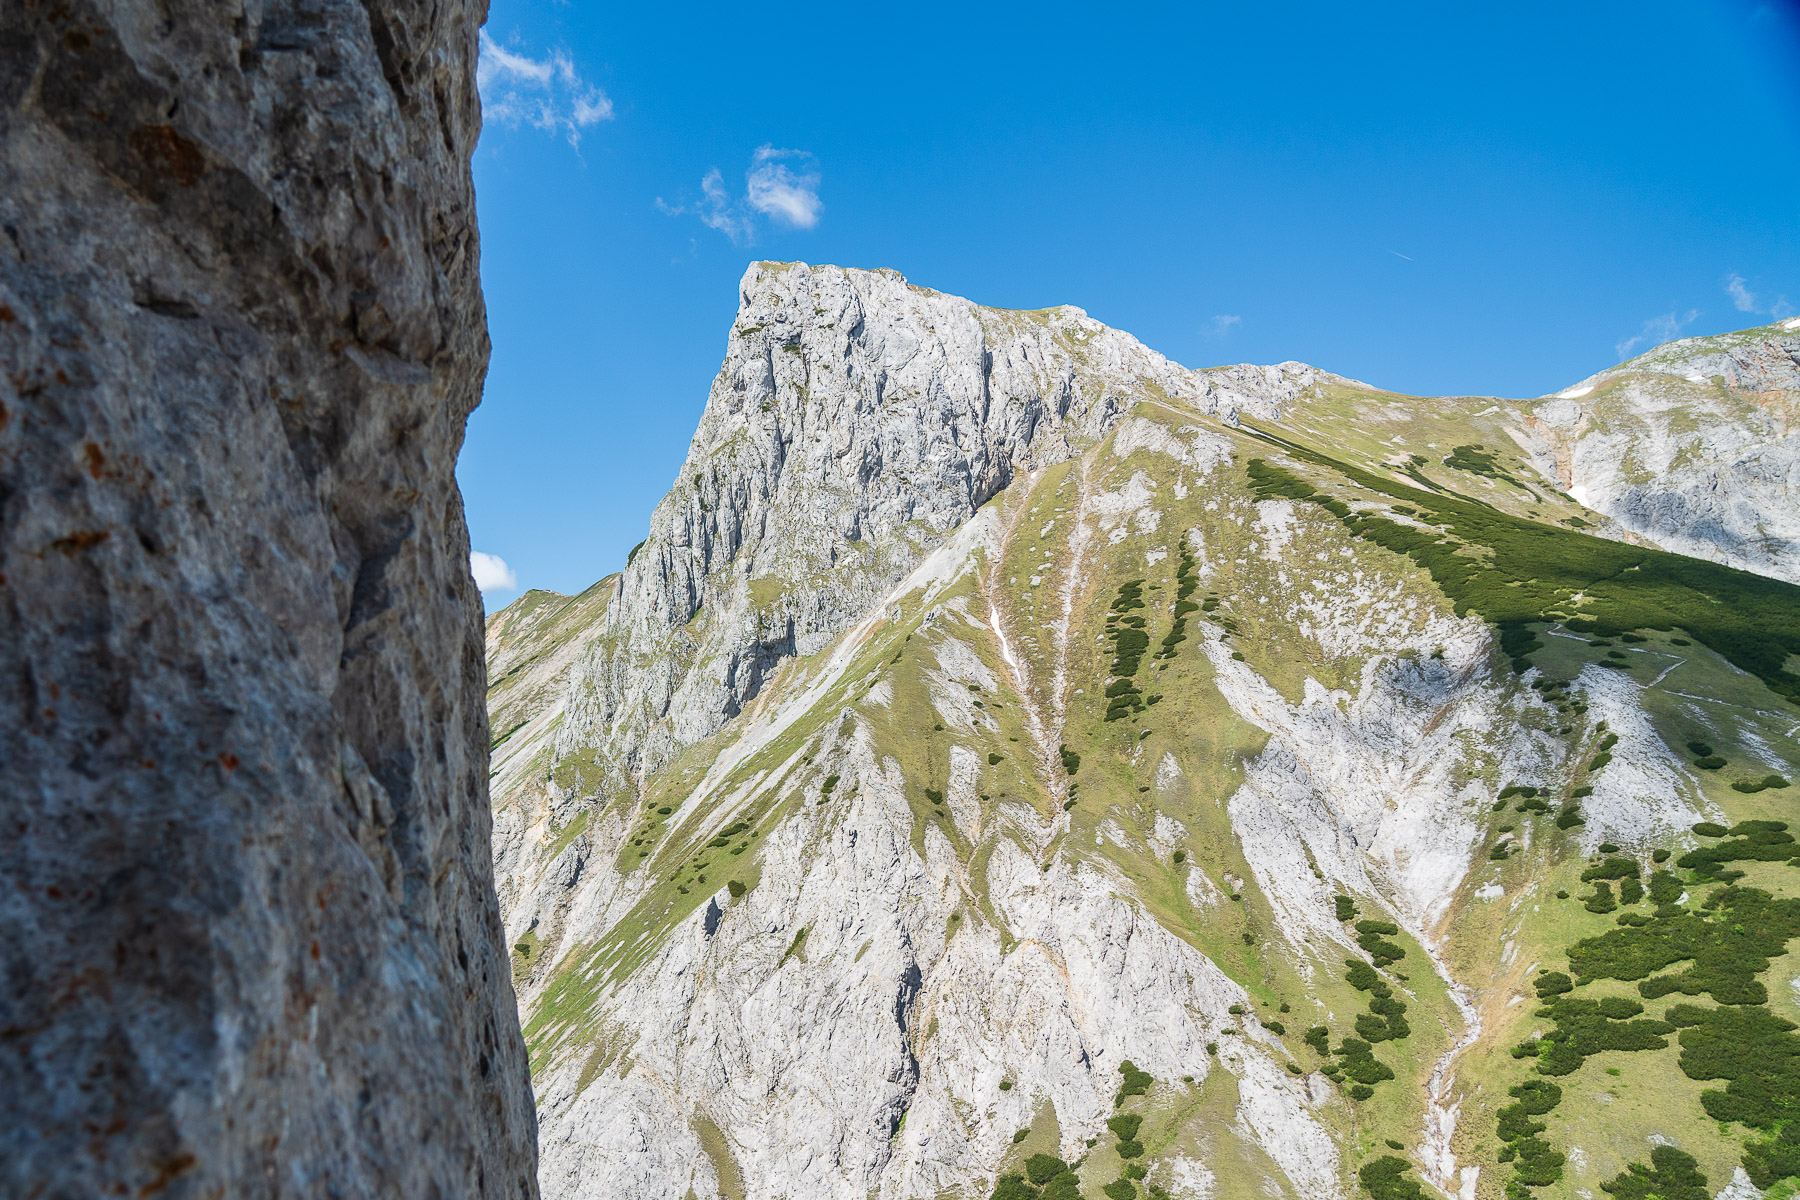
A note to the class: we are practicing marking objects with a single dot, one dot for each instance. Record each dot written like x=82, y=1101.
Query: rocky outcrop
x=833, y=869
x=856, y=420
x=1694, y=447
x=248, y=926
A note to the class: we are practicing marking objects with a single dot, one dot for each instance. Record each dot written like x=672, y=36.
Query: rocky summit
x=1016, y=765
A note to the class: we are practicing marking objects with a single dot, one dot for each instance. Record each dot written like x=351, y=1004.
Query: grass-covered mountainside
x=1241, y=799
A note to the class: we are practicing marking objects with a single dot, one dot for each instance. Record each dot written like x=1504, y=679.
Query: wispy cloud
x=1656, y=331
x=1741, y=296
x=1747, y=301
x=781, y=186
x=491, y=572
x=1221, y=325
x=545, y=93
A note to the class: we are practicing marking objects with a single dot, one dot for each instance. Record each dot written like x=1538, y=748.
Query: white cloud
x=1656, y=331
x=1746, y=300
x=782, y=185
x=790, y=196
x=1221, y=325
x=1741, y=296
x=545, y=93
x=491, y=572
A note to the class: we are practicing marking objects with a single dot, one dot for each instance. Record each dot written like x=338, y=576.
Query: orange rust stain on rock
x=228, y=760
x=166, y=1172
x=95, y=459
x=81, y=539
x=168, y=153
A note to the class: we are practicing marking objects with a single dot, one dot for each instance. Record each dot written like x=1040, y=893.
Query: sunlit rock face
x=833, y=867
x=1694, y=446
x=249, y=933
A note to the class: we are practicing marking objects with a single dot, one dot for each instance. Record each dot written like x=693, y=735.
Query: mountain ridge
x=817, y=766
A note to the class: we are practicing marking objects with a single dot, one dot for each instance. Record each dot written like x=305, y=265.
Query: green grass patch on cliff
x=1511, y=570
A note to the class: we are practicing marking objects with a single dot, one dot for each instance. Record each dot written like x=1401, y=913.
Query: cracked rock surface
x=248, y=931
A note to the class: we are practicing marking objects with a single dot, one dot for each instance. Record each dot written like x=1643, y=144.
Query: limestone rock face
x=1694, y=447
x=845, y=851
x=248, y=926
x=856, y=420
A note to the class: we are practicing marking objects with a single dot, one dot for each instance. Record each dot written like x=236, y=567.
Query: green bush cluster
x=1773, y=1158
x=1671, y=1175
x=1534, y=1161
x=1370, y=935
x=1071, y=761
x=1611, y=868
x=724, y=836
x=1755, y=1051
x=1046, y=1178
x=1346, y=907
x=1136, y=1083
x=1479, y=460
x=1555, y=693
x=1385, y=1021
x=1358, y=1061
x=1125, y=1129
x=1129, y=643
x=1754, y=841
x=1587, y=1027
x=1728, y=943
x=1752, y=786
x=1602, y=900
x=1510, y=569
x=1385, y=1178
x=1185, y=583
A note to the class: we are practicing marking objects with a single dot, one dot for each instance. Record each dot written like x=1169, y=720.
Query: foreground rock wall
x=247, y=925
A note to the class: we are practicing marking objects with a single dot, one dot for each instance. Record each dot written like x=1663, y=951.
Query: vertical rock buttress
x=248, y=938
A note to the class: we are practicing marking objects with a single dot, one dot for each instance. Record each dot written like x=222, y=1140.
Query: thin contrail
x=1397, y=254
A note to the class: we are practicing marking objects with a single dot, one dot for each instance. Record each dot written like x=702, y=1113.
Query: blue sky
x=1435, y=198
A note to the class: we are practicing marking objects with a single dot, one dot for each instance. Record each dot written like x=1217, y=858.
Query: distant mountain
x=1017, y=765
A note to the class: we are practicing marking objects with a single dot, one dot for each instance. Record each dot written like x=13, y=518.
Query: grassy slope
x=1608, y=1117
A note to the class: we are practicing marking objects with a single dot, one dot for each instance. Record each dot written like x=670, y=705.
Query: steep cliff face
x=856, y=420
x=249, y=934
x=976, y=762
